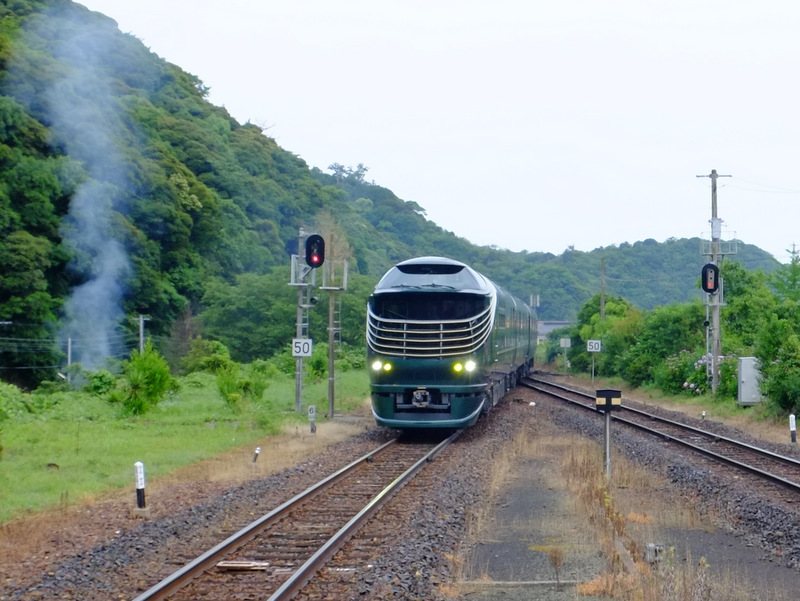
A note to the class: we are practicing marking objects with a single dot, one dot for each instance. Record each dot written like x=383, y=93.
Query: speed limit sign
x=593, y=346
x=302, y=347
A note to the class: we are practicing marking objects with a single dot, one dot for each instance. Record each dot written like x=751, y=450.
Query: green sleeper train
x=444, y=344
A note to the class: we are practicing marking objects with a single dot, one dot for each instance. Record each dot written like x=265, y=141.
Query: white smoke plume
x=85, y=121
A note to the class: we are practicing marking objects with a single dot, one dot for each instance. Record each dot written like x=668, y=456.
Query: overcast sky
x=523, y=124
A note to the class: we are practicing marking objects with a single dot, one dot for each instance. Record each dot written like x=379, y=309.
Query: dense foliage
x=127, y=198
x=667, y=347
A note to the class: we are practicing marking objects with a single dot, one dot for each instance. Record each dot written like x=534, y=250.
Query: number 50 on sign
x=302, y=347
x=593, y=346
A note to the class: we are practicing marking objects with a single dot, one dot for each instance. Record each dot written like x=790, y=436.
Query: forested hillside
x=124, y=193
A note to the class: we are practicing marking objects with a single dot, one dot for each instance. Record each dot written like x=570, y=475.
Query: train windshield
x=421, y=306
x=430, y=275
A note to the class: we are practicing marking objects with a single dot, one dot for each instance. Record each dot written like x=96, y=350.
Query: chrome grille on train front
x=423, y=338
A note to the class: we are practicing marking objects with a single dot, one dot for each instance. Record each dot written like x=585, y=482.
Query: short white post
x=256, y=454
x=793, y=427
x=139, y=469
x=312, y=418
x=141, y=509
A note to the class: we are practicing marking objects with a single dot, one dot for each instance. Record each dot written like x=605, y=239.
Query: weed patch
x=65, y=447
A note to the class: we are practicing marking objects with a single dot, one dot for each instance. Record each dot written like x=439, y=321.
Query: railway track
x=275, y=556
x=765, y=464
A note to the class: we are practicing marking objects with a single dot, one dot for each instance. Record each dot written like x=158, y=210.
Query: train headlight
x=467, y=366
x=379, y=365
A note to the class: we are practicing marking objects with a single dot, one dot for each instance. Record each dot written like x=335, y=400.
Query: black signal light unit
x=315, y=250
x=709, y=278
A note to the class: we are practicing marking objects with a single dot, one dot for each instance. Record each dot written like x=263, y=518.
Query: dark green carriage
x=444, y=344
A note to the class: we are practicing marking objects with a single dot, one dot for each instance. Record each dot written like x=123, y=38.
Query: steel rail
x=794, y=486
x=195, y=568
x=658, y=418
x=305, y=572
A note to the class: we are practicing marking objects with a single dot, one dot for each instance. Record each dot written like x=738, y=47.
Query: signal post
x=333, y=282
x=608, y=400
x=710, y=281
x=302, y=346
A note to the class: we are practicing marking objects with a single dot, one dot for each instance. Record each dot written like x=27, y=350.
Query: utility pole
x=603, y=289
x=142, y=319
x=715, y=301
x=329, y=283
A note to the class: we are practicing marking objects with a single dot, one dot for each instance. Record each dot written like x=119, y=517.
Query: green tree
x=748, y=302
x=622, y=334
x=27, y=309
x=206, y=355
x=786, y=279
x=666, y=331
x=145, y=381
x=614, y=326
x=254, y=317
x=778, y=352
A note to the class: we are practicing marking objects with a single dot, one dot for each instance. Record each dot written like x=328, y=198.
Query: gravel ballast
x=100, y=552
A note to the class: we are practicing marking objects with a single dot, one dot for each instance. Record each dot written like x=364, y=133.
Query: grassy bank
x=68, y=446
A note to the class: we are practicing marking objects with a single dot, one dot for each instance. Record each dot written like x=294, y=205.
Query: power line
x=775, y=189
x=31, y=367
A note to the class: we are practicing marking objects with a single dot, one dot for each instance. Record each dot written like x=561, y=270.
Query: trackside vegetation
x=666, y=347
x=63, y=444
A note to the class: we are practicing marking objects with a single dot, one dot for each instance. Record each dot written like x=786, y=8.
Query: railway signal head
x=709, y=278
x=315, y=250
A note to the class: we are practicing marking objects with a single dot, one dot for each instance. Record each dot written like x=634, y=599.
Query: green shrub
x=346, y=358
x=52, y=387
x=255, y=383
x=317, y=364
x=349, y=357
x=228, y=384
x=145, y=381
x=284, y=362
x=100, y=382
x=207, y=355
x=728, y=385
x=683, y=373
x=13, y=402
x=267, y=369
x=238, y=383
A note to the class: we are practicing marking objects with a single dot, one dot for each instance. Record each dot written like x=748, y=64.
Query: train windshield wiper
x=435, y=285
x=422, y=286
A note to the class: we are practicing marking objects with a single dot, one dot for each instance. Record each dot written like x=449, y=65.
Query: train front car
x=434, y=343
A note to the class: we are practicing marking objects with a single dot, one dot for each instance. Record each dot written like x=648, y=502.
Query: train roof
x=436, y=274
